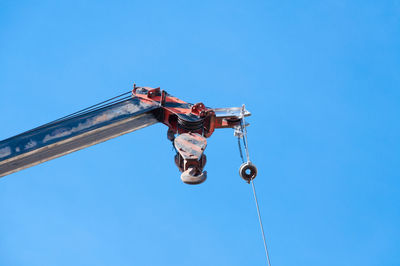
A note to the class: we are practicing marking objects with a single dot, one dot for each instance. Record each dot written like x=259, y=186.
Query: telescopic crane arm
x=188, y=127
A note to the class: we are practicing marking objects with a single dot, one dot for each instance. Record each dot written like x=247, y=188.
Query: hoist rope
x=261, y=224
x=243, y=136
x=94, y=107
x=257, y=206
x=98, y=106
x=240, y=150
x=89, y=109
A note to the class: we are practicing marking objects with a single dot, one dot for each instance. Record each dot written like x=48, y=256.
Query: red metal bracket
x=179, y=116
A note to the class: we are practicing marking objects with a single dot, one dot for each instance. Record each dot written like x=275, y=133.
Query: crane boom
x=60, y=138
x=188, y=127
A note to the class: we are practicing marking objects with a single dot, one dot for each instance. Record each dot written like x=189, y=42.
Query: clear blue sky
x=320, y=77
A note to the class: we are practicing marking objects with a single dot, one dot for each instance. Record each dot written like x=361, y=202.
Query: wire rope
x=86, y=110
x=90, y=108
x=261, y=224
x=242, y=135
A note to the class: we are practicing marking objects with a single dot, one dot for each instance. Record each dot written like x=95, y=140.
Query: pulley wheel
x=248, y=171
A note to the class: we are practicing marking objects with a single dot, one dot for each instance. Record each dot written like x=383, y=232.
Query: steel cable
x=243, y=136
x=84, y=111
x=90, y=108
x=261, y=224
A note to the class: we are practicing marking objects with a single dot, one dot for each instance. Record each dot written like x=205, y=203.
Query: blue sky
x=320, y=77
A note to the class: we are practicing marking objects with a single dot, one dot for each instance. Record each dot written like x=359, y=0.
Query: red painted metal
x=174, y=108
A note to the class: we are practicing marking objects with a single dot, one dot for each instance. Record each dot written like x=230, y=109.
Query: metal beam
x=57, y=139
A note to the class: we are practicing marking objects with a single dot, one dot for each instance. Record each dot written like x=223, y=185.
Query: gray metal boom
x=65, y=136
